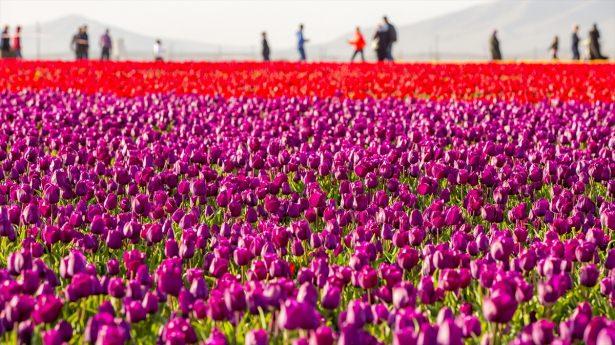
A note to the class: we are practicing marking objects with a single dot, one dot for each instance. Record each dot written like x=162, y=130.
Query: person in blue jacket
x=301, y=40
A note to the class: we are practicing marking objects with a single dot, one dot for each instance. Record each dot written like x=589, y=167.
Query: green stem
x=496, y=332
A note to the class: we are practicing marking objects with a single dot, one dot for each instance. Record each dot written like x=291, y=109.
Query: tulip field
x=307, y=204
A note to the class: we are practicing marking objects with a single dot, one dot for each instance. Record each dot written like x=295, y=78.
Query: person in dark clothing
x=73, y=45
x=5, y=43
x=381, y=38
x=265, y=45
x=494, y=46
x=594, y=44
x=81, y=43
x=301, y=41
x=85, y=43
x=575, y=43
x=105, y=46
x=554, y=47
x=392, y=37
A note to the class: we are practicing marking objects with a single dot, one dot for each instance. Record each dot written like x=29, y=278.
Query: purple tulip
x=499, y=308
x=53, y=337
x=178, y=330
x=588, y=275
x=150, y=303
x=82, y=285
x=72, y=264
x=216, y=338
x=47, y=308
x=241, y=256
x=542, y=332
x=323, y=335
x=116, y=288
x=257, y=337
x=331, y=297
x=169, y=276
x=295, y=315
x=449, y=333
x=135, y=312
x=111, y=334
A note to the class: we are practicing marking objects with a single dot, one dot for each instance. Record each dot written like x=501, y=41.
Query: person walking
x=158, y=50
x=494, y=46
x=81, y=44
x=301, y=41
x=74, y=46
x=84, y=42
x=5, y=43
x=106, y=45
x=381, y=42
x=594, y=44
x=359, y=43
x=554, y=47
x=17, y=43
x=392, y=37
x=575, y=43
x=266, y=51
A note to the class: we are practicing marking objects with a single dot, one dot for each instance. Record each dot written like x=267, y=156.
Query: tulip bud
x=588, y=275
x=499, y=308
x=257, y=337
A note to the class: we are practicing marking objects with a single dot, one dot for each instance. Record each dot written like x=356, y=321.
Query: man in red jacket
x=359, y=43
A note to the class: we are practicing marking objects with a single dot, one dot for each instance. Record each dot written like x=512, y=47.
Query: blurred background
x=231, y=30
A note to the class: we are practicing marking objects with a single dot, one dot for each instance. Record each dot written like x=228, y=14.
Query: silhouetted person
x=494, y=46
x=359, y=44
x=381, y=39
x=17, y=43
x=73, y=44
x=554, y=47
x=106, y=44
x=301, y=41
x=594, y=44
x=84, y=42
x=266, y=51
x=392, y=37
x=575, y=40
x=5, y=43
x=81, y=43
x=158, y=51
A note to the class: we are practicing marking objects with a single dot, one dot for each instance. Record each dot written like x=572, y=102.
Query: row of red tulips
x=520, y=82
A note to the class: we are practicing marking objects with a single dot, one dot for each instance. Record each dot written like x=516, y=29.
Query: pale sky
x=232, y=22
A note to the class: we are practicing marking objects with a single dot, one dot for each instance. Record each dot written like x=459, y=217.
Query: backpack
x=392, y=33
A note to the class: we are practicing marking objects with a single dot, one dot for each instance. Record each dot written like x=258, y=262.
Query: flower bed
x=274, y=217
x=524, y=82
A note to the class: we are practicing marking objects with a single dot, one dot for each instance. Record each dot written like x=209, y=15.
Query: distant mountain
x=55, y=37
x=525, y=29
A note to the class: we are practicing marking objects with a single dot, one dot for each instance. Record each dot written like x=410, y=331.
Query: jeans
x=81, y=53
x=389, y=52
x=355, y=54
x=105, y=53
x=302, y=56
x=575, y=53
